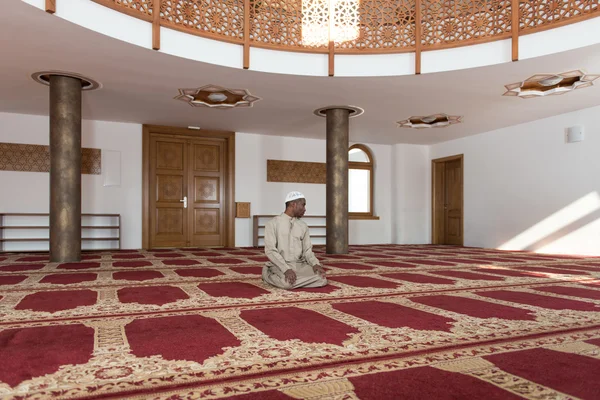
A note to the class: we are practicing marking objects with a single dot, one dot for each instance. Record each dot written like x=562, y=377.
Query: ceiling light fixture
x=555, y=80
x=550, y=84
x=217, y=97
x=212, y=96
x=430, y=121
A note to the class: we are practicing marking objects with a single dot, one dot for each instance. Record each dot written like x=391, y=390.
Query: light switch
x=575, y=134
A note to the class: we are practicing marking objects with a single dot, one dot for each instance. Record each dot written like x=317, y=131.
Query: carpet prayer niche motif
x=396, y=321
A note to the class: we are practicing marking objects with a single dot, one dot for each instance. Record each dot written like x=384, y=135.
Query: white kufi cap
x=293, y=196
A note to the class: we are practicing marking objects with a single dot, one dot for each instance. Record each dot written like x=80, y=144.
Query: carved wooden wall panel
x=36, y=158
x=169, y=155
x=242, y=210
x=296, y=171
x=206, y=158
x=206, y=221
x=91, y=161
x=169, y=187
x=206, y=189
x=169, y=221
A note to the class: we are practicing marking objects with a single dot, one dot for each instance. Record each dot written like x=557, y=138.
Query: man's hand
x=319, y=270
x=290, y=276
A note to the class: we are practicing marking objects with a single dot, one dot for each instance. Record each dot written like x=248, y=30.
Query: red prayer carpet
x=395, y=322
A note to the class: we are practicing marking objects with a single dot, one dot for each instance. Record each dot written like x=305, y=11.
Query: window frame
x=370, y=166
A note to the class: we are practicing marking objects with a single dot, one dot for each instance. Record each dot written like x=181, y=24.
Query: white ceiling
x=139, y=86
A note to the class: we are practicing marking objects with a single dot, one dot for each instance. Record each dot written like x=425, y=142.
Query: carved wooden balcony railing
x=386, y=26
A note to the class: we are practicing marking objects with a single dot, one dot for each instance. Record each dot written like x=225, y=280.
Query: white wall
x=410, y=193
x=526, y=188
x=377, y=231
x=252, y=153
x=29, y=191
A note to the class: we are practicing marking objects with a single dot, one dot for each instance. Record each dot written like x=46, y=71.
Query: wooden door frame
x=434, y=188
x=230, y=176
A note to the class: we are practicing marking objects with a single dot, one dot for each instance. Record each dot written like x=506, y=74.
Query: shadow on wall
x=571, y=221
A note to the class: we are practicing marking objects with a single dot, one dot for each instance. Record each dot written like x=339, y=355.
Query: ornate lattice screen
x=276, y=23
x=137, y=8
x=544, y=13
x=221, y=19
x=385, y=26
x=447, y=23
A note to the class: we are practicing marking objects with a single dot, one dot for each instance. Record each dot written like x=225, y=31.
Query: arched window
x=360, y=182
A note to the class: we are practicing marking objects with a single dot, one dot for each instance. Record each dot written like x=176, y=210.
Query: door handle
x=184, y=201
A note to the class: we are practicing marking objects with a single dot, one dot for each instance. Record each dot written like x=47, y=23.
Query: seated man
x=292, y=264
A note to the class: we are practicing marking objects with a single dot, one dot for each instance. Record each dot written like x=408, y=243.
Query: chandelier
x=329, y=20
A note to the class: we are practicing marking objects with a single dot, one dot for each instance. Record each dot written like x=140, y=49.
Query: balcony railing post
x=331, y=59
x=156, y=25
x=246, y=34
x=51, y=6
x=418, y=37
x=515, y=29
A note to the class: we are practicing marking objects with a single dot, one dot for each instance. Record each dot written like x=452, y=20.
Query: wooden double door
x=447, y=205
x=189, y=190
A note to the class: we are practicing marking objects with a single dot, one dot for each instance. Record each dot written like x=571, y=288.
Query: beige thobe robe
x=288, y=246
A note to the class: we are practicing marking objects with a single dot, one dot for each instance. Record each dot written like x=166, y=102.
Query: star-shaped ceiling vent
x=217, y=97
x=430, y=121
x=550, y=84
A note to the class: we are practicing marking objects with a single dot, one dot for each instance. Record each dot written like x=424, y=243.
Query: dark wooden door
x=447, y=201
x=207, y=192
x=187, y=191
x=453, y=213
x=168, y=186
